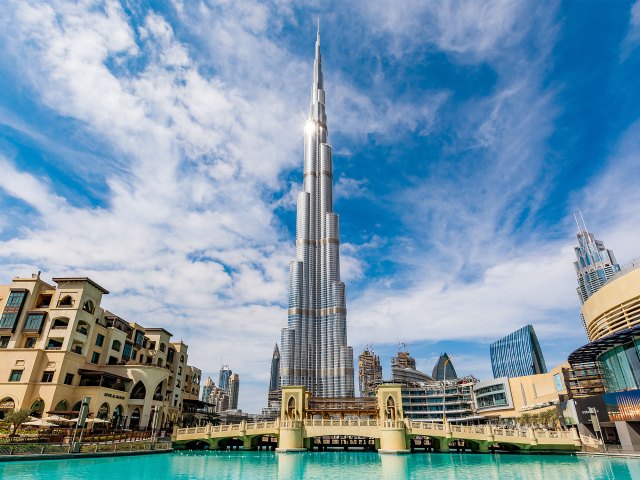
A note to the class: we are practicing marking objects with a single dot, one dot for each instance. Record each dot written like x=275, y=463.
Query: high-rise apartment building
x=369, y=373
x=594, y=263
x=224, y=377
x=314, y=343
x=275, y=390
x=207, y=388
x=234, y=390
x=443, y=369
x=517, y=355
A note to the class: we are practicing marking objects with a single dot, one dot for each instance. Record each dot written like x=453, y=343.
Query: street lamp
x=444, y=390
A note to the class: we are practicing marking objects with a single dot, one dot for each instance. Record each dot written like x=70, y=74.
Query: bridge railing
x=366, y=422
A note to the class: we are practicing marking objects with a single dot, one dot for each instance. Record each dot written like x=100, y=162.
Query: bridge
x=390, y=431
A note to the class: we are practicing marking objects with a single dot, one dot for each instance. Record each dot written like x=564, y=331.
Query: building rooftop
x=60, y=280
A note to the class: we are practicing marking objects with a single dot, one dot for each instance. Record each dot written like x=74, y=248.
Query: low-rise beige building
x=58, y=345
x=508, y=398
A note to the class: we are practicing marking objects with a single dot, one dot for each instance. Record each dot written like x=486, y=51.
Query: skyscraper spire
x=314, y=344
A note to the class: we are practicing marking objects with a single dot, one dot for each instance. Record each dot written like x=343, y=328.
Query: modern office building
x=403, y=370
x=58, y=345
x=234, y=391
x=594, y=263
x=435, y=400
x=517, y=355
x=443, y=369
x=369, y=372
x=315, y=353
x=275, y=390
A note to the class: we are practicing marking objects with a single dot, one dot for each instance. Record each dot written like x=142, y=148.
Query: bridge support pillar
x=440, y=444
x=291, y=438
x=393, y=440
x=247, y=443
x=213, y=443
x=479, y=447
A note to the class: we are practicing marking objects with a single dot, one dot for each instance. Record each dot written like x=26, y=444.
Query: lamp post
x=444, y=390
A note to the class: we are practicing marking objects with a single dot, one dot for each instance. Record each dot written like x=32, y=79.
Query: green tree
x=525, y=419
x=16, y=418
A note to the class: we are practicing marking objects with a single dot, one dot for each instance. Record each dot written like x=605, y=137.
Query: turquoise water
x=322, y=465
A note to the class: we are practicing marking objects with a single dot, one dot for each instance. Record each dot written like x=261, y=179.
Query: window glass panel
x=16, y=376
x=34, y=322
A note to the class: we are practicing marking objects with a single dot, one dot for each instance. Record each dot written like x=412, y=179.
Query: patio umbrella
x=57, y=418
x=97, y=420
x=40, y=423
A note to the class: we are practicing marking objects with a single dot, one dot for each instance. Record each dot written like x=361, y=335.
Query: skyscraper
x=274, y=378
x=206, y=389
x=234, y=391
x=223, y=378
x=594, y=265
x=369, y=372
x=518, y=354
x=443, y=365
x=314, y=343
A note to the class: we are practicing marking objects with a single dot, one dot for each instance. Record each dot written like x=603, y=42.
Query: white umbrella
x=57, y=418
x=91, y=420
x=40, y=423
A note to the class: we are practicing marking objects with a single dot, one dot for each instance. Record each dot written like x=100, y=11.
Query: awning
x=591, y=351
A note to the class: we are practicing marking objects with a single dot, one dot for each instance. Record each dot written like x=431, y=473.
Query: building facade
x=403, y=370
x=275, y=390
x=507, y=399
x=433, y=401
x=369, y=373
x=58, y=345
x=315, y=353
x=207, y=388
x=594, y=264
x=517, y=355
x=444, y=369
x=224, y=377
x=234, y=391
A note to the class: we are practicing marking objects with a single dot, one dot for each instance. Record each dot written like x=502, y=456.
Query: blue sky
x=156, y=147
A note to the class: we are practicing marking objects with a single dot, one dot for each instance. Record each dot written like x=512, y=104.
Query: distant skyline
x=156, y=148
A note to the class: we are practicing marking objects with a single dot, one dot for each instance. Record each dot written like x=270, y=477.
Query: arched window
x=157, y=395
x=7, y=404
x=116, y=418
x=61, y=406
x=66, y=301
x=83, y=327
x=135, y=419
x=139, y=391
x=163, y=347
x=89, y=307
x=391, y=408
x=116, y=345
x=103, y=411
x=181, y=358
x=76, y=406
x=37, y=408
x=60, y=323
x=291, y=408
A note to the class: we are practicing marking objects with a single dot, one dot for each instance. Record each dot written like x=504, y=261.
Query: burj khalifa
x=314, y=344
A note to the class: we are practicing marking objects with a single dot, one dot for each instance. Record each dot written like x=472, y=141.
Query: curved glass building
x=442, y=366
x=518, y=354
x=314, y=344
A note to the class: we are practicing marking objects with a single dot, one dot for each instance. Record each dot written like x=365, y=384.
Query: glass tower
x=594, y=265
x=518, y=354
x=443, y=365
x=314, y=344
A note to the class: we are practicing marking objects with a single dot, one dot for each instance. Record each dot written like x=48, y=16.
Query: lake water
x=324, y=465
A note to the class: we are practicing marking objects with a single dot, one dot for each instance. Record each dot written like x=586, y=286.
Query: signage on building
x=111, y=395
